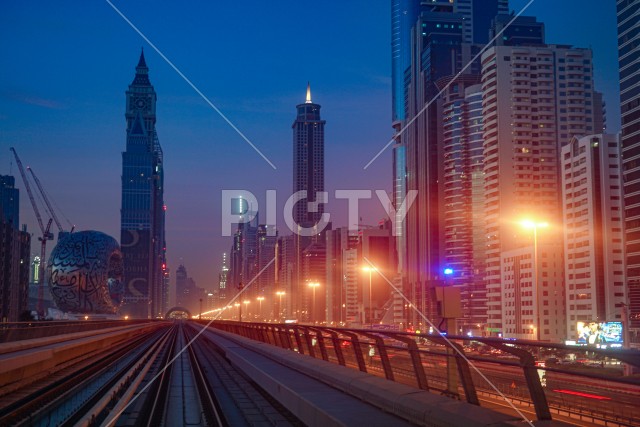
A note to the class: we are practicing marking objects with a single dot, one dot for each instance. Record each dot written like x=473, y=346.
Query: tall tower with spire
x=308, y=160
x=142, y=215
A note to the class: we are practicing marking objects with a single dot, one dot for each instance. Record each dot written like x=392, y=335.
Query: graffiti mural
x=86, y=273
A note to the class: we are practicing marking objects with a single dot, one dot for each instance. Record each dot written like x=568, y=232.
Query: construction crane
x=46, y=234
x=50, y=210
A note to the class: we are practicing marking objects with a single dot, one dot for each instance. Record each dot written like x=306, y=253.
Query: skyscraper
x=629, y=63
x=594, y=260
x=10, y=200
x=463, y=197
x=15, y=245
x=437, y=38
x=308, y=160
x=223, y=278
x=303, y=260
x=143, y=211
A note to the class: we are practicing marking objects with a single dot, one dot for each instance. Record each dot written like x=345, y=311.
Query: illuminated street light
x=528, y=224
x=280, y=295
x=260, y=299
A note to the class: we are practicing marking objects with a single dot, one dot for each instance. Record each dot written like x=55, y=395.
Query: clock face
x=140, y=103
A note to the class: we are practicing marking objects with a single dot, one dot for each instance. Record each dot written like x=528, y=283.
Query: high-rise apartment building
x=143, y=211
x=629, y=63
x=341, y=274
x=535, y=99
x=533, y=291
x=593, y=230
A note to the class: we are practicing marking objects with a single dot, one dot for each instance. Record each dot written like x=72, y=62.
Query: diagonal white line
x=447, y=85
x=464, y=356
x=240, y=292
x=186, y=79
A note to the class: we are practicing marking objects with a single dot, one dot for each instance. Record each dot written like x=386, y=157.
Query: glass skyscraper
x=142, y=216
x=629, y=62
x=308, y=160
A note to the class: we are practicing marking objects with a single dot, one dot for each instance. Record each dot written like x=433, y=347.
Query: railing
x=18, y=331
x=477, y=369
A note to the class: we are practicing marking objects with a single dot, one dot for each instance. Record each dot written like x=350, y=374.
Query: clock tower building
x=142, y=236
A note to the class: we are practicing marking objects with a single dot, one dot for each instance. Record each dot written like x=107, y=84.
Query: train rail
x=64, y=397
x=153, y=379
x=237, y=400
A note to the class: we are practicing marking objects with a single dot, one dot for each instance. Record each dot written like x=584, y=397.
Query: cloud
x=35, y=100
x=42, y=102
x=380, y=79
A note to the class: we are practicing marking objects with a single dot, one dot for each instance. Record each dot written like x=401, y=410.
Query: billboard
x=598, y=333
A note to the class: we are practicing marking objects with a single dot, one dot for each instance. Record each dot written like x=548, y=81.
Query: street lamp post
x=313, y=286
x=239, y=311
x=246, y=307
x=260, y=299
x=370, y=270
x=536, y=280
x=280, y=295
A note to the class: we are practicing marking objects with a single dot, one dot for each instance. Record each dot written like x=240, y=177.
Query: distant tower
x=181, y=286
x=308, y=159
x=142, y=214
x=223, y=278
x=9, y=200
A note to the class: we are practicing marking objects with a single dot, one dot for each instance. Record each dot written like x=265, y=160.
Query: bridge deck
x=322, y=394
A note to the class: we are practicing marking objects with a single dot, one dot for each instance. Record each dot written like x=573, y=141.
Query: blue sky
x=66, y=66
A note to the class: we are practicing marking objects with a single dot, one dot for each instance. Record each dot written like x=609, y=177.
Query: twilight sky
x=66, y=65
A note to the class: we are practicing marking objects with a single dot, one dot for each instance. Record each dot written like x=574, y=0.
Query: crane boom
x=46, y=199
x=28, y=187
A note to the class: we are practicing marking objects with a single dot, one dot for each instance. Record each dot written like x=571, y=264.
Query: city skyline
x=54, y=120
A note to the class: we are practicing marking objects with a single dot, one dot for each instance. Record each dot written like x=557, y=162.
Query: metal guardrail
x=19, y=331
x=425, y=360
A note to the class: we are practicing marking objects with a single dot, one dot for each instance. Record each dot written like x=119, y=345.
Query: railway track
x=153, y=380
x=64, y=398
x=237, y=400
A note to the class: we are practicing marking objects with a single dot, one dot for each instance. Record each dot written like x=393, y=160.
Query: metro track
x=151, y=380
x=63, y=398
